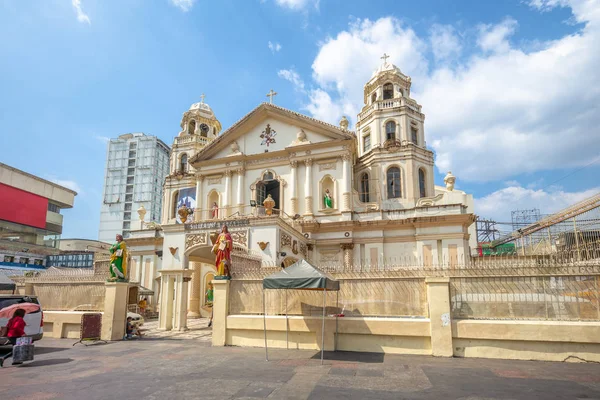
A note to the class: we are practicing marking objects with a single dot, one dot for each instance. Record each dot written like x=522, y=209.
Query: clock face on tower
x=204, y=128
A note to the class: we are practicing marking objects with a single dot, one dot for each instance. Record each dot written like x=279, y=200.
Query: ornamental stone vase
x=269, y=203
x=183, y=213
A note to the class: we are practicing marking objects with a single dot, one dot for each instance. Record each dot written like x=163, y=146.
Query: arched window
x=393, y=183
x=191, y=127
x=183, y=164
x=174, y=204
x=268, y=176
x=390, y=130
x=364, y=188
x=422, y=191
x=414, y=134
x=388, y=91
x=374, y=97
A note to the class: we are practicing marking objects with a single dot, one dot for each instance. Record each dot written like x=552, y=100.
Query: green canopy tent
x=6, y=283
x=301, y=276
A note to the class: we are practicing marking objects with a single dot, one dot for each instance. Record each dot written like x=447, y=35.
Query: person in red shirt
x=16, y=329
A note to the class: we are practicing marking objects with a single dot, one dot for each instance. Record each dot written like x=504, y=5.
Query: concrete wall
x=436, y=335
x=62, y=324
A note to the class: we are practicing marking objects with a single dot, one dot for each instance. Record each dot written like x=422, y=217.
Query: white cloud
x=103, y=139
x=445, y=45
x=500, y=112
x=494, y=38
x=81, y=16
x=292, y=76
x=184, y=5
x=274, y=47
x=67, y=183
x=298, y=5
x=499, y=204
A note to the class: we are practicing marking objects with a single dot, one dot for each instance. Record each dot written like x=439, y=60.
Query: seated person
x=131, y=330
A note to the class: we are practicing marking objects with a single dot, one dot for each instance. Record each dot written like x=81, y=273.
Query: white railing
x=390, y=103
x=191, y=139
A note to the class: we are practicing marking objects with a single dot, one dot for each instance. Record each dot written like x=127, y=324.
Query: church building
x=291, y=187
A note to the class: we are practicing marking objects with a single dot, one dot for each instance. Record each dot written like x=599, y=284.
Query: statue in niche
x=222, y=248
x=235, y=148
x=300, y=138
x=215, y=210
x=327, y=199
x=118, y=260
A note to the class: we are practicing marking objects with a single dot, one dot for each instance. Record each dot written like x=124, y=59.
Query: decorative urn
x=344, y=123
x=141, y=212
x=184, y=212
x=449, y=180
x=269, y=203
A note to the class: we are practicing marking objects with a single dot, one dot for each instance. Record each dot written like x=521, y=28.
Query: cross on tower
x=384, y=58
x=202, y=96
x=270, y=96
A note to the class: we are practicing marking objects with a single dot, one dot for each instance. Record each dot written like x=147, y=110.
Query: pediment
x=269, y=128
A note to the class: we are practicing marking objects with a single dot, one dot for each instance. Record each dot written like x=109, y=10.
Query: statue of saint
x=327, y=199
x=118, y=260
x=222, y=248
x=215, y=210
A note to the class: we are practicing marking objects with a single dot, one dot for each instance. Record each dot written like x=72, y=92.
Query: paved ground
x=171, y=368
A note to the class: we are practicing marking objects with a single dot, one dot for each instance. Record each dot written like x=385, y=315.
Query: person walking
x=14, y=330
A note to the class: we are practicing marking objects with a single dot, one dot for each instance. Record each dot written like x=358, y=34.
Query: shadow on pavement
x=46, y=350
x=41, y=363
x=350, y=356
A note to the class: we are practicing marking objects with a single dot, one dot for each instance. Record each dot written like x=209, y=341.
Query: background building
x=136, y=165
x=30, y=219
x=78, y=253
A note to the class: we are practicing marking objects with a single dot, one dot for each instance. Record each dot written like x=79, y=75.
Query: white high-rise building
x=136, y=166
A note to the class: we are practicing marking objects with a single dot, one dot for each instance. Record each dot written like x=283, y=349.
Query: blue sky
x=509, y=88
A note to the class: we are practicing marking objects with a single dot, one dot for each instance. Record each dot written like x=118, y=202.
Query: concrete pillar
x=198, y=210
x=240, y=190
x=165, y=319
x=220, y=311
x=308, y=186
x=180, y=311
x=438, y=298
x=29, y=289
x=194, y=311
x=346, y=181
x=226, y=196
x=115, y=310
x=293, y=187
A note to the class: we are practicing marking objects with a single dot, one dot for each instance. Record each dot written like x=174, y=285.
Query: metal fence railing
x=568, y=298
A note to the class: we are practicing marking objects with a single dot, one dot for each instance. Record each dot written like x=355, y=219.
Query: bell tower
x=395, y=165
x=199, y=127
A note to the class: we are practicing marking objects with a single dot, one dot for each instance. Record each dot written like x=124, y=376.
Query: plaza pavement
x=169, y=367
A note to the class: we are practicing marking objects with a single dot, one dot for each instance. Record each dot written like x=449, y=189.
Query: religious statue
x=222, y=248
x=118, y=260
x=215, y=210
x=327, y=199
x=183, y=212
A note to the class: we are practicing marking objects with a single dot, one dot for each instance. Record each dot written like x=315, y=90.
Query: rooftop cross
x=202, y=96
x=270, y=96
x=384, y=58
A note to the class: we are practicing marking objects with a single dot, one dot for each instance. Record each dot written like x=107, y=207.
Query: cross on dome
x=384, y=58
x=202, y=96
x=270, y=95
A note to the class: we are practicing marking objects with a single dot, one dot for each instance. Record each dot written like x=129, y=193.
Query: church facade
x=291, y=187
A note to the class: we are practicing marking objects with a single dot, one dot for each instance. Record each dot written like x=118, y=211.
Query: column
x=438, y=298
x=240, y=190
x=115, y=311
x=167, y=291
x=198, y=210
x=347, y=182
x=293, y=179
x=308, y=185
x=194, y=311
x=347, y=248
x=226, y=196
x=165, y=207
x=408, y=181
x=181, y=299
x=220, y=311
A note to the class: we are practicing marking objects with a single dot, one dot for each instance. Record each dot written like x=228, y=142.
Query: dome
x=203, y=108
x=385, y=67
